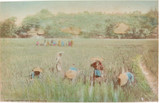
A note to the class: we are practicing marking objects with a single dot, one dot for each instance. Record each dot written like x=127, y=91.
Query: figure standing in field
x=59, y=42
x=47, y=43
x=62, y=43
x=98, y=70
x=37, y=43
x=59, y=62
x=71, y=43
x=54, y=43
x=51, y=43
x=66, y=43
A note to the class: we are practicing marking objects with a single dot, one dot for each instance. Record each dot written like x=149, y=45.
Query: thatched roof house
x=121, y=28
x=32, y=32
x=40, y=32
x=71, y=30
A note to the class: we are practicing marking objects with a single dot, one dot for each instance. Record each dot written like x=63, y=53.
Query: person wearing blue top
x=130, y=77
x=35, y=73
x=71, y=73
x=73, y=68
x=97, y=73
x=124, y=78
x=62, y=43
x=54, y=43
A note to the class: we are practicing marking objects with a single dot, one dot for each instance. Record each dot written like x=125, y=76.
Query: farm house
x=121, y=28
x=72, y=30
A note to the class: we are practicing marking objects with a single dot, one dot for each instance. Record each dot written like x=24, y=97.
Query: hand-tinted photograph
x=79, y=51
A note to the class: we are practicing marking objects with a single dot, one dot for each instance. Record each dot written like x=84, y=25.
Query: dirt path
x=150, y=77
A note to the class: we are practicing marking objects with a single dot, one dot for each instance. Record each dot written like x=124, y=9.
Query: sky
x=22, y=9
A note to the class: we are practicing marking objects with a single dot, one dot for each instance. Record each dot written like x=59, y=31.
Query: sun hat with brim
x=70, y=74
x=72, y=68
x=60, y=53
x=97, y=59
x=37, y=69
x=124, y=78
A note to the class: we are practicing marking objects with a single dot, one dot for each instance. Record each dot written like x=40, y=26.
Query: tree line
x=92, y=25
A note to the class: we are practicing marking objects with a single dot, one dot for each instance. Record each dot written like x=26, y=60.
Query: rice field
x=20, y=56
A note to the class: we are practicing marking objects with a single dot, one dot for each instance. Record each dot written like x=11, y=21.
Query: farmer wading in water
x=98, y=70
x=59, y=62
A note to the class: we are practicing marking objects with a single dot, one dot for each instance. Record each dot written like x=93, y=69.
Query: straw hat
x=60, y=53
x=93, y=59
x=70, y=74
x=123, y=77
x=37, y=69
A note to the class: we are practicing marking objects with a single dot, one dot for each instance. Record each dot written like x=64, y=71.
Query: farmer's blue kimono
x=74, y=69
x=62, y=43
x=54, y=43
x=130, y=77
x=97, y=72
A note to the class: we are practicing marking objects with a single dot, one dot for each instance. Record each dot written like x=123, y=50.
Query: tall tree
x=8, y=27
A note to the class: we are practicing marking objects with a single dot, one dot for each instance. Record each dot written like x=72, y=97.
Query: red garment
x=97, y=65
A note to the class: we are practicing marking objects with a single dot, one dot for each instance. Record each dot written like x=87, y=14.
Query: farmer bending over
x=59, y=62
x=36, y=72
x=71, y=73
x=124, y=78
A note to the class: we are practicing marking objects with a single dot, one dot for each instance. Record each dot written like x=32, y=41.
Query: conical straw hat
x=61, y=52
x=37, y=69
x=123, y=77
x=97, y=59
x=70, y=74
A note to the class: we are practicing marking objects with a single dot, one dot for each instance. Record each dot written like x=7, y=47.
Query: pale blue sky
x=22, y=9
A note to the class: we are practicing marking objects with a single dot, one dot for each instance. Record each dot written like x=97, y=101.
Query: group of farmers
x=55, y=43
x=98, y=71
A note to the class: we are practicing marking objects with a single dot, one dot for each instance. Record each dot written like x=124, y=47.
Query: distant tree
x=8, y=27
x=91, y=24
x=86, y=12
x=44, y=14
x=152, y=13
x=137, y=33
x=47, y=30
x=39, y=20
x=152, y=18
x=136, y=13
x=30, y=22
x=109, y=28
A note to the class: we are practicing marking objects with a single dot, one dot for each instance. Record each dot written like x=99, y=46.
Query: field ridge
x=150, y=77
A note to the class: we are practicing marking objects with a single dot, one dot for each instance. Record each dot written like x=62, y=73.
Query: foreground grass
x=21, y=55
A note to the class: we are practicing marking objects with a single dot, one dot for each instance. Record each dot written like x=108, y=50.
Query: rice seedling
x=19, y=57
